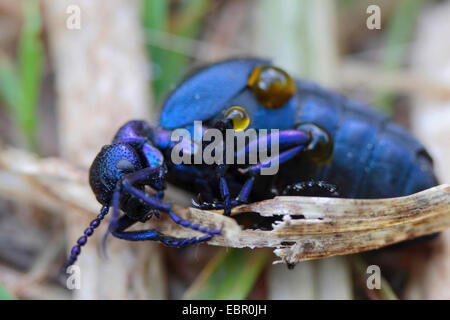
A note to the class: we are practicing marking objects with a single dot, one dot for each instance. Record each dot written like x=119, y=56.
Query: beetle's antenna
x=113, y=220
x=76, y=249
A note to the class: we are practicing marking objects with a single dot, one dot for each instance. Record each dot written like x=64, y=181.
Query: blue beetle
x=118, y=176
x=372, y=157
x=330, y=146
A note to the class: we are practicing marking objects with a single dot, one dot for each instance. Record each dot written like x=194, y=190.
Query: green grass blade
x=30, y=68
x=155, y=14
x=171, y=66
x=20, y=84
x=230, y=275
x=10, y=90
x=176, y=64
x=5, y=295
x=398, y=34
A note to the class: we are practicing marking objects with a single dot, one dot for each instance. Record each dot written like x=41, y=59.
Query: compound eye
x=320, y=148
x=272, y=86
x=239, y=117
x=125, y=166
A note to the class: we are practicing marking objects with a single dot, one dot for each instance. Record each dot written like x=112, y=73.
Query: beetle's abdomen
x=373, y=157
x=111, y=162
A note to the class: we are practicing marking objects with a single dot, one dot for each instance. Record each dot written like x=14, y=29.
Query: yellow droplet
x=239, y=116
x=271, y=86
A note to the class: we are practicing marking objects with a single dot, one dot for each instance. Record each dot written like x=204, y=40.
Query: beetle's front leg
x=235, y=118
x=224, y=190
x=142, y=176
x=292, y=141
x=286, y=144
x=151, y=234
x=231, y=203
x=309, y=139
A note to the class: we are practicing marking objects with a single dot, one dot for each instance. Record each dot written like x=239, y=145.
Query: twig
x=324, y=226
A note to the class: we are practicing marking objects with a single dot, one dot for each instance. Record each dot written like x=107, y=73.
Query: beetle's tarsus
x=152, y=234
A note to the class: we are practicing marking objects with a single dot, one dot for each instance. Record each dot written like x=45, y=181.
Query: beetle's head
x=112, y=162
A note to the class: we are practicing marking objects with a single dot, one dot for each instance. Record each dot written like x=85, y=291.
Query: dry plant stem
x=329, y=226
x=342, y=226
x=334, y=226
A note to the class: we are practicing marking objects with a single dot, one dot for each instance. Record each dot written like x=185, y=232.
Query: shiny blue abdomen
x=373, y=157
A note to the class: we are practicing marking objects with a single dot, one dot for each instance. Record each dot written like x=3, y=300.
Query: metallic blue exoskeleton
x=329, y=145
x=373, y=157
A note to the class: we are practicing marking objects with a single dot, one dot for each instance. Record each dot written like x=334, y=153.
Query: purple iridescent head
x=130, y=151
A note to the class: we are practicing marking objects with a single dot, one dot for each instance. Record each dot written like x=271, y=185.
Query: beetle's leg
x=282, y=157
x=153, y=177
x=159, y=195
x=222, y=124
x=151, y=234
x=188, y=224
x=291, y=141
x=224, y=191
x=285, y=139
x=314, y=140
x=155, y=161
x=240, y=199
x=221, y=169
x=311, y=188
x=144, y=175
x=227, y=203
x=205, y=196
x=245, y=191
x=295, y=139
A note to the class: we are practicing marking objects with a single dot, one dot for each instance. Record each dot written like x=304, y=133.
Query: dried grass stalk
x=309, y=227
x=312, y=228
